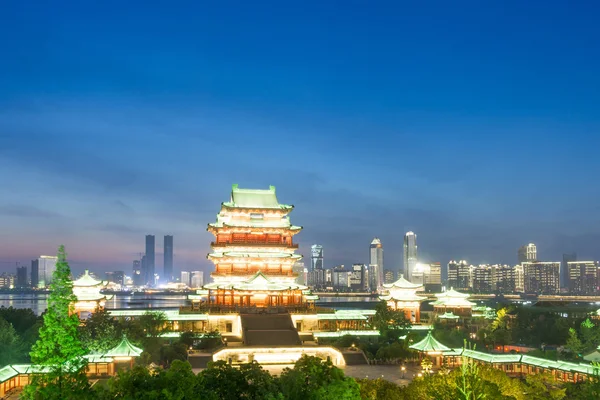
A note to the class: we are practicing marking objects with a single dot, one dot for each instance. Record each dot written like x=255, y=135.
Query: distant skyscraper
x=21, y=277
x=117, y=277
x=137, y=273
x=35, y=273
x=376, y=258
x=316, y=257
x=149, y=265
x=168, y=259
x=410, y=254
x=433, y=279
x=46, y=265
x=196, y=279
x=527, y=253
x=299, y=269
x=185, y=278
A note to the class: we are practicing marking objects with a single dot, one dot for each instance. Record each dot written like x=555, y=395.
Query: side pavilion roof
x=124, y=349
x=402, y=284
x=429, y=345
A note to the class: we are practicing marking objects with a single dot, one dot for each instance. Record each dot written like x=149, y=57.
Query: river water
x=39, y=302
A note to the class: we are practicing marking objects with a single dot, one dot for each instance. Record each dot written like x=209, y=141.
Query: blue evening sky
x=475, y=124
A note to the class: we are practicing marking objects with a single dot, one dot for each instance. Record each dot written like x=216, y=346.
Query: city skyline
x=447, y=122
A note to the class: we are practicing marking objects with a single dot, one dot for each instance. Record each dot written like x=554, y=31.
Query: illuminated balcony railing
x=254, y=242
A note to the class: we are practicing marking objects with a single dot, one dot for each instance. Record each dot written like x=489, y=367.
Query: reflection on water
x=39, y=302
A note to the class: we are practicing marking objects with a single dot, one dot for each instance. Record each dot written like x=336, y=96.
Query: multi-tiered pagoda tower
x=254, y=252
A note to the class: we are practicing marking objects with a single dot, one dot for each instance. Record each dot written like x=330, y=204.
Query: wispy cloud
x=26, y=211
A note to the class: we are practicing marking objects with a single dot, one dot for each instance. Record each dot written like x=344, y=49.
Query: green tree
x=312, y=377
x=59, y=348
x=176, y=383
x=391, y=323
x=10, y=344
x=543, y=387
x=99, y=333
x=221, y=381
x=373, y=389
x=153, y=323
x=574, y=343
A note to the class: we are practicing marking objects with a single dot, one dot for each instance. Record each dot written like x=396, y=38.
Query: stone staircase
x=265, y=330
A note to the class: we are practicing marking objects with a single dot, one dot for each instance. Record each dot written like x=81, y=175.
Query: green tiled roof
x=448, y=315
x=254, y=198
x=7, y=372
x=429, y=344
x=124, y=349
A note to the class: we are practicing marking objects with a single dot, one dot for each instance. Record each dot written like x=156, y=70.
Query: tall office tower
x=541, y=277
x=196, y=279
x=46, y=265
x=583, y=277
x=316, y=257
x=22, y=277
x=117, y=277
x=35, y=273
x=137, y=273
x=410, y=254
x=527, y=253
x=433, y=280
x=168, y=259
x=459, y=275
x=372, y=274
x=150, y=260
x=564, y=270
x=388, y=276
x=185, y=278
x=376, y=258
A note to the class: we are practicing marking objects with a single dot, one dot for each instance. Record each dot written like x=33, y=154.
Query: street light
x=403, y=369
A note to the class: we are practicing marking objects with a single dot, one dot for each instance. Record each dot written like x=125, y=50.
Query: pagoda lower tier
x=258, y=291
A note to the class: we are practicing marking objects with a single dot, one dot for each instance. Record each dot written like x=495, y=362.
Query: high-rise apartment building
x=149, y=262
x=21, y=277
x=410, y=255
x=583, y=277
x=376, y=258
x=388, y=276
x=357, y=277
x=316, y=257
x=519, y=279
x=433, y=279
x=7, y=281
x=299, y=269
x=459, y=275
x=504, y=279
x=340, y=278
x=186, y=278
x=196, y=279
x=168, y=259
x=541, y=277
x=527, y=253
x=42, y=270
x=564, y=270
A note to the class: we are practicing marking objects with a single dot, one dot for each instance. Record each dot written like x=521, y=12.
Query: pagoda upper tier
x=253, y=234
